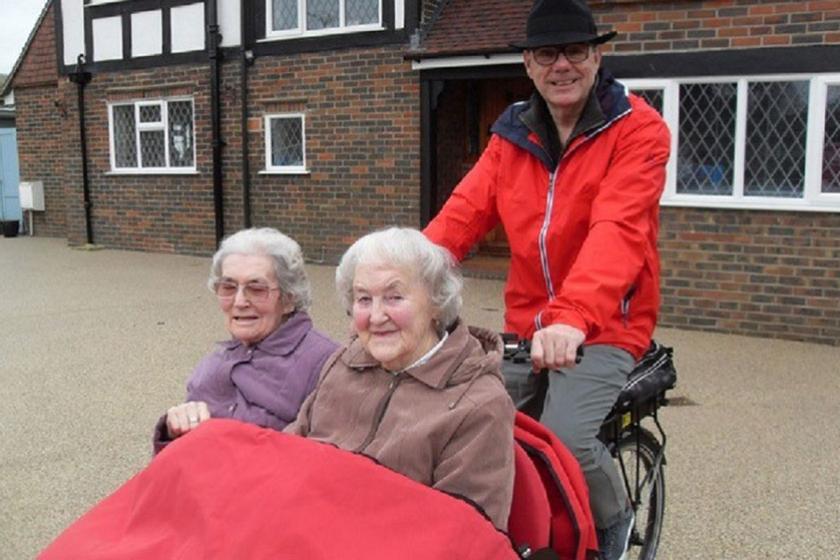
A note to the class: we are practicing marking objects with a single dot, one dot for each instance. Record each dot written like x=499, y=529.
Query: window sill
x=153, y=172
x=797, y=205
x=290, y=171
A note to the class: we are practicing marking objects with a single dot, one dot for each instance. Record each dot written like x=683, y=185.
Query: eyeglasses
x=574, y=53
x=255, y=292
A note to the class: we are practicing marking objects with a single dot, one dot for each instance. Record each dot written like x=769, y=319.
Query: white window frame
x=301, y=31
x=162, y=125
x=813, y=199
x=284, y=169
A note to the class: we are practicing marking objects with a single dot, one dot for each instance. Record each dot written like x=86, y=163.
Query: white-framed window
x=764, y=142
x=152, y=136
x=285, y=143
x=295, y=18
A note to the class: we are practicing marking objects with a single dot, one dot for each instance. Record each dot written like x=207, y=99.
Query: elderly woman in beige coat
x=415, y=388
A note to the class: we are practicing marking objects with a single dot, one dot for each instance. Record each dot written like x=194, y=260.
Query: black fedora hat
x=559, y=22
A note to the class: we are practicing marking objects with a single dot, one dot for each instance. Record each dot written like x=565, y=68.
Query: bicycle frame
x=628, y=421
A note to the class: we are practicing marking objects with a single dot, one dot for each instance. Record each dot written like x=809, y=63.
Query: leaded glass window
x=763, y=141
x=322, y=14
x=124, y=136
x=361, y=12
x=654, y=98
x=302, y=16
x=181, y=134
x=706, y=151
x=831, y=142
x=284, y=14
x=285, y=143
x=152, y=148
x=153, y=135
x=150, y=113
x=777, y=121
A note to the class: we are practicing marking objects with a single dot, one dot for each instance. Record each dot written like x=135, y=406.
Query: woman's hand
x=185, y=417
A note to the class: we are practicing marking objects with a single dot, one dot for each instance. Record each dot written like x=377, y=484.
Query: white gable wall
x=107, y=39
x=188, y=29
x=229, y=26
x=399, y=14
x=146, y=33
x=73, y=29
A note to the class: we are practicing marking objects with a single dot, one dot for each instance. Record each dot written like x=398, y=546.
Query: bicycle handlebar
x=519, y=350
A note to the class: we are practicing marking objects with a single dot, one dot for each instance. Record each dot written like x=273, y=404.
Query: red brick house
x=361, y=113
x=326, y=102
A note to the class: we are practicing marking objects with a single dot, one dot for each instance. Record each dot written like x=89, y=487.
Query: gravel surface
x=95, y=345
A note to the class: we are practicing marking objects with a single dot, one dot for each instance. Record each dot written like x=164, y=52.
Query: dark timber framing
x=128, y=62
x=255, y=29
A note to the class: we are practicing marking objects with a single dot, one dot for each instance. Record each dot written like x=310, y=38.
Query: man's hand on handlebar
x=555, y=347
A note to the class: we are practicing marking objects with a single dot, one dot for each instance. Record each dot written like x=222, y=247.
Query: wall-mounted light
x=249, y=57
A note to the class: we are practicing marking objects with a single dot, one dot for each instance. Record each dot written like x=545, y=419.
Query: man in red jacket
x=574, y=175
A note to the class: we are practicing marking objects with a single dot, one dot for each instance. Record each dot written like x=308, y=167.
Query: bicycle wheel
x=635, y=457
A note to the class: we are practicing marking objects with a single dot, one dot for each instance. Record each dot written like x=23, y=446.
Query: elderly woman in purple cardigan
x=273, y=359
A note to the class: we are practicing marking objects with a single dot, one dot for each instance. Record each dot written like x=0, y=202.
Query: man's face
x=563, y=84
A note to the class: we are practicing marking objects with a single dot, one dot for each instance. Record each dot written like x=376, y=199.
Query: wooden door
x=495, y=97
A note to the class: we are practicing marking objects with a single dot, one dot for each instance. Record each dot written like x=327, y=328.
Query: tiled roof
x=41, y=44
x=470, y=27
x=485, y=27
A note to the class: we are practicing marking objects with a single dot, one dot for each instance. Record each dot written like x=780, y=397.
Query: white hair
x=285, y=255
x=410, y=250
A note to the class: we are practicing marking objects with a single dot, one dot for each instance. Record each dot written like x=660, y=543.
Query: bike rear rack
x=618, y=424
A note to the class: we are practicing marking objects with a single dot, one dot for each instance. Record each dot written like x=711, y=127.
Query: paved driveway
x=94, y=346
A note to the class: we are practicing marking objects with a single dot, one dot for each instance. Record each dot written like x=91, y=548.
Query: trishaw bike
x=631, y=431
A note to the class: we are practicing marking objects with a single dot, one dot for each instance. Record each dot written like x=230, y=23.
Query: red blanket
x=231, y=490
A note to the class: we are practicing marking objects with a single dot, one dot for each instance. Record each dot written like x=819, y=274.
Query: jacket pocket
x=625, y=305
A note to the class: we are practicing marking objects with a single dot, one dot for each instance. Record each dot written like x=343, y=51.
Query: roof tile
x=476, y=27
x=38, y=63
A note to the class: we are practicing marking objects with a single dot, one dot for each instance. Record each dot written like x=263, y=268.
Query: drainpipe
x=81, y=79
x=246, y=61
x=215, y=55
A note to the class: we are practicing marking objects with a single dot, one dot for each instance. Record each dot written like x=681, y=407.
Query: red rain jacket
x=583, y=232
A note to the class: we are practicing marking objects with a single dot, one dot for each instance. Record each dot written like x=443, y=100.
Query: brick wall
x=39, y=65
x=41, y=127
x=764, y=273
x=773, y=274
x=164, y=213
x=679, y=26
x=362, y=138
x=41, y=116
x=428, y=11
x=362, y=146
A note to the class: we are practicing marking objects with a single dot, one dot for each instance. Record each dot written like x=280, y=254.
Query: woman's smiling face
x=393, y=315
x=246, y=320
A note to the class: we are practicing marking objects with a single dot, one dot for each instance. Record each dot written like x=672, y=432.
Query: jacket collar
x=538, y=119
x=283, y=340
x=523, y=122
x=454, y=363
